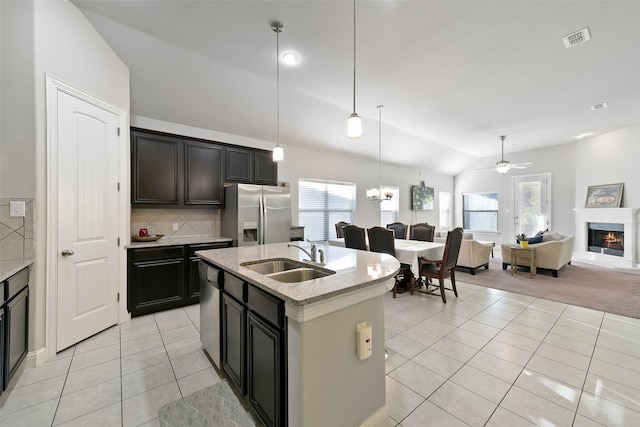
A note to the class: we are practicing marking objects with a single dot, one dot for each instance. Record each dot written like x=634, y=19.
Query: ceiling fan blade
x=518, y=167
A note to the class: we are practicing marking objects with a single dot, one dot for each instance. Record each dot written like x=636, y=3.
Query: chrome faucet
x=313, y=255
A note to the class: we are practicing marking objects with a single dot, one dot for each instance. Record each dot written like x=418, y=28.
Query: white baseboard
x=36, y=357
x=379, y=418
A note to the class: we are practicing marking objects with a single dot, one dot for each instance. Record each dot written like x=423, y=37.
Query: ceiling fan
x=503, y=166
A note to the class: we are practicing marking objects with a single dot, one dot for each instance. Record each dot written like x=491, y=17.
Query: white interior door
x=87, y=219
x=532, y=208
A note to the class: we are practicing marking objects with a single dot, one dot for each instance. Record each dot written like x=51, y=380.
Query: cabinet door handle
x=67, y=252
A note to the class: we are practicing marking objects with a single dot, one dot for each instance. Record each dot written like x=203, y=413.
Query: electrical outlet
x=175, y=226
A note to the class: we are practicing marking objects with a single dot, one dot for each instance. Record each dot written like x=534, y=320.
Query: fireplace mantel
x=627, y=216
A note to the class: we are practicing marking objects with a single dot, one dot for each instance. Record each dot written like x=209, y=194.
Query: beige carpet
x=611, y=290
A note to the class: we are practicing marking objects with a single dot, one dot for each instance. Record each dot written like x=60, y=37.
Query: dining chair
x=422, y=231
x=354, y=237
x=382, y=240
x=399, y=229
x=339, y=228
x=442, y=268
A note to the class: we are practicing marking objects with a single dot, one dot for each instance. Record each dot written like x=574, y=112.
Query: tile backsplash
x=191, y=222
x=16, y=233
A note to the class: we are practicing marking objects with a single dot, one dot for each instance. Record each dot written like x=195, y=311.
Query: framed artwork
x=421, y=198
x=604, y=196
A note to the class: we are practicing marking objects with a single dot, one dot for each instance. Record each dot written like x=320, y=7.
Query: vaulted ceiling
x=453, y=75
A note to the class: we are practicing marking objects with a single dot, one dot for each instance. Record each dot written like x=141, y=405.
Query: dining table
x=408, y=251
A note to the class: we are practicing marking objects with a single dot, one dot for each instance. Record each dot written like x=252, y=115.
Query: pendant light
x=379, y=194
x=278, y=152
x=354, y=122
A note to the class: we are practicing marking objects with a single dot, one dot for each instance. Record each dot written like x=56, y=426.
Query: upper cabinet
x=265, y=171
x=203, y=174
x=155, y=169
x=251, y=166
x=173, y=170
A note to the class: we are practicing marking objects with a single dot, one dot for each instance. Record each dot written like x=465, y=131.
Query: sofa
x=551, y=254
x=473, y=254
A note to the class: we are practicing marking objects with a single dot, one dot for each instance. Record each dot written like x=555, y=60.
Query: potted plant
x=522, y=239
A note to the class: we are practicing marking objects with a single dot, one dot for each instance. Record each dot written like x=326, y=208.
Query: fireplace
x=606, y=238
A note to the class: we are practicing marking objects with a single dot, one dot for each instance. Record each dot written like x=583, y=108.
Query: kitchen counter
x=165, y=241
x=322, y=317
x=354, y=270
x=9, y=268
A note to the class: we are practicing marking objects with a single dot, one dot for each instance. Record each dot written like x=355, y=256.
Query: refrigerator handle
x=263, y=215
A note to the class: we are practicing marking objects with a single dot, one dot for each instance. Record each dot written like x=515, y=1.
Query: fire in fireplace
x=606, y=238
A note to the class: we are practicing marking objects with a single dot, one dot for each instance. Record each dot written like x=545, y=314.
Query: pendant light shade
x=354, y=122
x=354, y=126
x=278, y=152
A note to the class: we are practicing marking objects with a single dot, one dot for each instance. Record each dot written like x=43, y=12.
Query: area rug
x=606, y=289
x=214, y=406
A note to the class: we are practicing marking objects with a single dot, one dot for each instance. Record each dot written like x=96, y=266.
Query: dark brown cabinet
x=265, y=169
x=233, y=340
x=14, y=325
x=155, y=171
x=160, y=278
x=173, y=170
x=239, y=167
x=203, y=172
x=251, y=166
x=253, y=347
x=156, y=279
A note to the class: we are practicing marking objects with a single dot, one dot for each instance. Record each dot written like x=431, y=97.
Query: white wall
x=609, y=159
x=306, y=163
x=17, y=130
x=558, y=160
x=46, y=37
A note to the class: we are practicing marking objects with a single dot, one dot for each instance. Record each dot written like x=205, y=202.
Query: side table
x=523, y=254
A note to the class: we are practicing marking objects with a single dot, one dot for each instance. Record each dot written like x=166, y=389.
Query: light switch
x=16, y=209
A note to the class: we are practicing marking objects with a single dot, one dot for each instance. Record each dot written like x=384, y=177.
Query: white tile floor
x=487, y=358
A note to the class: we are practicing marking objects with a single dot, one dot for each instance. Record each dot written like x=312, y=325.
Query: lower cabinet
x=14, y=325
x=161, y=278
x=264, y=369
x=254, y=348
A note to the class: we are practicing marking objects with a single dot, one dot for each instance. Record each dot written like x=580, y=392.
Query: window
x=323, y=203
x=389, y=208
x=445, y=211
x=480, y=211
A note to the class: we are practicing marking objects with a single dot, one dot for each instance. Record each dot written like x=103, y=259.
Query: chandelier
x=379, y=194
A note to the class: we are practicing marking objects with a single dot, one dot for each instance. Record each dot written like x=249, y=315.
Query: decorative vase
x=524, y=243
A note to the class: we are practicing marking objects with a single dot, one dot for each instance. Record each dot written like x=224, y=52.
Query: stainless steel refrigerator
x=256, y=214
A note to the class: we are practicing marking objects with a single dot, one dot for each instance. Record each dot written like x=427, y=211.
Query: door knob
x=67, y=252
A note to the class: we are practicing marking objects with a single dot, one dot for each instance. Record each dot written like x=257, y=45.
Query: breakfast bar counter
x=325, y=380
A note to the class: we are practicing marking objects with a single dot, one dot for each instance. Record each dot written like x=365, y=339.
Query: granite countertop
x=165, y=241
x=9, y=268
x=354, y=270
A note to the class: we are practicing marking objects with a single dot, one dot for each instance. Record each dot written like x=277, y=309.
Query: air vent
x=576, y=38
x=600, y=106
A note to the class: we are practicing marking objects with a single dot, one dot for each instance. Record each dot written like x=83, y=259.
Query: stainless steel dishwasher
x=210, y=310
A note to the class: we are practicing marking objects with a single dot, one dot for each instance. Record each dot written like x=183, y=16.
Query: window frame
x=449, y=210
x=495, y=211
x=329, y=215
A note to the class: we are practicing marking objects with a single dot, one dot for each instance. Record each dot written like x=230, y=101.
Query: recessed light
x=290, y=58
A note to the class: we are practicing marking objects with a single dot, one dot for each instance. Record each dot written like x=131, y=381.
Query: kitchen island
x=324, y=380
